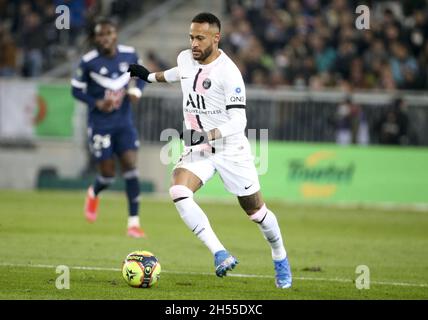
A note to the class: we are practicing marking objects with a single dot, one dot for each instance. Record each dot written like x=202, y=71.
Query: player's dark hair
x=105, y=21
x=207, y=17
x=92, y=25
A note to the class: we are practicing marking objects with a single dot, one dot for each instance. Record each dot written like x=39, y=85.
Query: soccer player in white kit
x=214, y=138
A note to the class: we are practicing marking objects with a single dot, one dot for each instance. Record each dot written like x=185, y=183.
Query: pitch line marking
x=238, y=275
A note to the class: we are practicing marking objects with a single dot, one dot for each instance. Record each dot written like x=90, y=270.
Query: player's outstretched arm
x=141, y=72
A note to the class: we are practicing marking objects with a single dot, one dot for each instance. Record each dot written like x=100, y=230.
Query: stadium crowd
x=315, y=44
x=30, y=43
x=307, y=44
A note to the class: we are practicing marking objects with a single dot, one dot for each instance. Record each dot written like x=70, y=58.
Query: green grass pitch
x=41, y=230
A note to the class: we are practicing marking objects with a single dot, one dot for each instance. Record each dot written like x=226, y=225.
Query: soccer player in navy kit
x=102, y=82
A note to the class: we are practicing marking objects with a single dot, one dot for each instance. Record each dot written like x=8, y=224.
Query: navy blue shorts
x=104, y=143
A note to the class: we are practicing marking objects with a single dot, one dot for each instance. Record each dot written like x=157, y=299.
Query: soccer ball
x=141, y=269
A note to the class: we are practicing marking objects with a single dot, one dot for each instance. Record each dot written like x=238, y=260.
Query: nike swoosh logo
x=184, y=77
x=246, y=188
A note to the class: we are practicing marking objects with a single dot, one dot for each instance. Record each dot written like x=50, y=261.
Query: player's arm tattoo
x=160, y=77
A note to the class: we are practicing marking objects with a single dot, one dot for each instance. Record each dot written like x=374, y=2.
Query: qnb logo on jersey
x=237, y=99
x=198, y=102
x=115, y=95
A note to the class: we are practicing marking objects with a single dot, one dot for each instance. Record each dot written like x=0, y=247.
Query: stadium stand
x=315, y=43
x=30, y=44
x=309, y=45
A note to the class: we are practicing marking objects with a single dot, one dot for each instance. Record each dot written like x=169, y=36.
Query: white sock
x=133, y=221
x=268, y=225
x=195, y=219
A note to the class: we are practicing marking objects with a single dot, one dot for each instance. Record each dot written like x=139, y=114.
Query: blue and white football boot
x=224, y=262
x=283, y=277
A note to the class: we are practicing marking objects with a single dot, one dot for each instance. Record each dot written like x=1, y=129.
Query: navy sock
x=132, y=192
x=102, y=183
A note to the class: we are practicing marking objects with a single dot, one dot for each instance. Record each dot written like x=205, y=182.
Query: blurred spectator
x=8, y=53
x=154, y=63
x=51, y=35
x=125, y=9
x=323, y=54
x=351, y=124
x=418, y=31
x=3, y=9
x=404, y=67
x=345, y=55
x=32, y=42
x=389, y=129
x=393, y=126
x=386, y=79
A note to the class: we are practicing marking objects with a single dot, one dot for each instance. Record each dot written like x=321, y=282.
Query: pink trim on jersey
x=202, y=76
x=192, y=121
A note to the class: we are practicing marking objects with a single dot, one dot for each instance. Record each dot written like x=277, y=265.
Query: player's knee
x=107, y=174
x=253, y=208
x=257, y=213
x=128, y=167
x=179, y=192
x=130, y=174
x=105, y=179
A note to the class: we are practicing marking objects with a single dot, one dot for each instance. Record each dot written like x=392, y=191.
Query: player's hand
x=105, y=105
x=139, y=71
x=134, y=95
x=192, y=137
x=134, y=98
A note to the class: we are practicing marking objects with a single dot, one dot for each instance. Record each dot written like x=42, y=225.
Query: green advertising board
x=55, y=111
x=335, y=174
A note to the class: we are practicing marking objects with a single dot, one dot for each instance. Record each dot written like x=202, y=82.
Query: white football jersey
x=209, y=91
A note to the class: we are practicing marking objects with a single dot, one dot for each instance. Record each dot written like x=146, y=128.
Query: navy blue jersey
x=101, y=77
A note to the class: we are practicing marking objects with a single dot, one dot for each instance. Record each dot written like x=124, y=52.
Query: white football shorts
x=234, y=165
